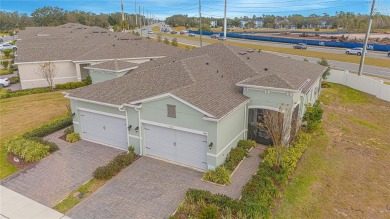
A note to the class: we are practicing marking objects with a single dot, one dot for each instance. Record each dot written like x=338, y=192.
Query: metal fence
x=375, y=47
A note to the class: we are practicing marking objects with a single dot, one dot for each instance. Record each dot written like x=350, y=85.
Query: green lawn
x=344, y=173
x=21, y=114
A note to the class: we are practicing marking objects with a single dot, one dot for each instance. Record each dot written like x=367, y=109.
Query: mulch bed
x=62, y=137
x=21, y=164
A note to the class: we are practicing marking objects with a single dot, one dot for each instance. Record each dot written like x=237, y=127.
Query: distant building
x=259, y=22
x=213, y=23
x=244, y=21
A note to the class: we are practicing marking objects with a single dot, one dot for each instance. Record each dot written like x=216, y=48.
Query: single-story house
x=192, y=108
x=72, y=47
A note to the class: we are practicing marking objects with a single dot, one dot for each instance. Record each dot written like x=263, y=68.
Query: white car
x=7, y=46
x=355, y=51
x=150, y=32
x=4, y=82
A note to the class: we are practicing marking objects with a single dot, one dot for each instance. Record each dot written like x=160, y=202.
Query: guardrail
x=374, y=47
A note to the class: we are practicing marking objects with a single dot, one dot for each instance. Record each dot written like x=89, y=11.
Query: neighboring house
x=192, y=108
x=72, y=47
x=244, y=21
x=213, y=23
x=259, y=22
x=109, y=70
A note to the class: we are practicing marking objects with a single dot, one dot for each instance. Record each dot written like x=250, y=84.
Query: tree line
x=54, y=16
x=346, y=20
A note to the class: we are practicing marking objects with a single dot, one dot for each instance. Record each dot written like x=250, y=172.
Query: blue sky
x=164, y=8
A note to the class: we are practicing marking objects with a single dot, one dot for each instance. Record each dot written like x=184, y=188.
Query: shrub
x=317, y=29
x=166, y=41
x=5, y=63
x=52, y=146
x=88, y=80
x=7, y=52
x=72, y=137
x=324, y=62
x=235, y=157
x=174, y=42
x=27, y=149
x=115, y=166
x=72, y=85
x=313, y=116
x=220, y=175
x=49, y=128
x=69, y=130
x=14, y=80
x=209, y=212
x=18, y=93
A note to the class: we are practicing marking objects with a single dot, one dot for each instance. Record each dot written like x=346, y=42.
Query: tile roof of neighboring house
x=81, y=43
x=114, y=65
x=206, y=78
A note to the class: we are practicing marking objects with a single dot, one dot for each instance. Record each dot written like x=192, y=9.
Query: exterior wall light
x=73, y=114
x=129, y=127
x=211, y=145
x=136, y=129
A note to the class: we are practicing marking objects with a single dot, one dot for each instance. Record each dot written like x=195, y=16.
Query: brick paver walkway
x=150, y=188
x=54, y=177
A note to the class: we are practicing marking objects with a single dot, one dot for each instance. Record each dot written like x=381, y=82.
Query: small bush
x=88, y=80
x=7, y=52
x=115, y=166
x=209, y=212
x=14, y=80
x=72, y=85
x=220, y=175
x=72, y=137
x=52, y=146
x=313, y=116
x=27, y=149
x=5, y=63
x=166, y=41
x=69, y=130
x=174, y=42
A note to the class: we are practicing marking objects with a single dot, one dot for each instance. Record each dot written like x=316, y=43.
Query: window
x=171, y=111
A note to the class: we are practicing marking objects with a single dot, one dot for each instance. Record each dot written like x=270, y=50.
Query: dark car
x=300, y=46
x=388, y=54
x=1, y=40
x=215, y=36
x=173, y=32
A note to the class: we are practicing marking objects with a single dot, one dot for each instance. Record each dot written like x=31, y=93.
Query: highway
x=352, y=67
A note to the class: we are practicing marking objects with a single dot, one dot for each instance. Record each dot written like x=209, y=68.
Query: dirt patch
x=18, y=161
x=62, y=137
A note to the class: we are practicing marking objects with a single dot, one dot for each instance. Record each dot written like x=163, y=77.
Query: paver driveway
x=53, y=178
x=150, y=188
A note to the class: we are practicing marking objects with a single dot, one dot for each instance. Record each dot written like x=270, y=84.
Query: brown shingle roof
x=114, y=65
x=205, y=77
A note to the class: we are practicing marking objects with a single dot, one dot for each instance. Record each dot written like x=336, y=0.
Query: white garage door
x=181, y=147
x=104, y=129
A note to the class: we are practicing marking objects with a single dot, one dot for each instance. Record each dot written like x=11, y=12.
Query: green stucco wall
x=271, y=99
x=98, y=76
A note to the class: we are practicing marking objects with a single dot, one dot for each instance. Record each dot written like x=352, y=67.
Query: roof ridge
x=116, y=64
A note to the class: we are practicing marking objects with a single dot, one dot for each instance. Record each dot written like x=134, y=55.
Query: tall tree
x=49, y=16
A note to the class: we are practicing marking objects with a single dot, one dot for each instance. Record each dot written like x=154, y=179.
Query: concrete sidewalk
x=16, y=206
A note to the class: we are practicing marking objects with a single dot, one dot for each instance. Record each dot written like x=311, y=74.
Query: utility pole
x=123, y=15
x=366, y=40
x=135, y=12
x=200, y=24
x=143, y=14
x=224, y=23
x=140, y=23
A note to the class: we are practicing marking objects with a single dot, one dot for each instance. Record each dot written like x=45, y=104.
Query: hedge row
x=221, y=174
x=31, y=147
x=115, y=166
x=18, y=93
x=71, y=85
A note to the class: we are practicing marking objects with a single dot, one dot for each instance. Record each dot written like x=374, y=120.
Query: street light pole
x=200, y=24
x=366, y=40
x=224, y=23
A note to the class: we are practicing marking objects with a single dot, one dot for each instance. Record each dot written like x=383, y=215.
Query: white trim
x=265, y=107
x=91, y=101
x=75, y=122
x=101, y=113
x=127, y=124
x=141, y=143
x=45, y=79
x=213, y=155
x=174, y=127
x=86, y=139
x=161, y=96
x=134, y=136
x=267, y=88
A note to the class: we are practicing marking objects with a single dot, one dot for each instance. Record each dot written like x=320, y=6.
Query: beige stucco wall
x=30, y=79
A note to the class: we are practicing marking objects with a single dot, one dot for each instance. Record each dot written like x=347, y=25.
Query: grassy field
x=345, y=171
x=314, y=54
x=20, y=114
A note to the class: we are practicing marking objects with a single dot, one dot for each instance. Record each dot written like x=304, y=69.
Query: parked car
x=355, y=51
x=388, y=54
x=215, y=36
x=173, y=32
x=4, y=82
x=182, y=32
x=1, y=40
x=300, y=46
x=221, y=38
x=150, y=32
x=191, y=34
x=8, y=46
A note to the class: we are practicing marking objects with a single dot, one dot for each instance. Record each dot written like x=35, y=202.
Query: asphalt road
x=352, y=67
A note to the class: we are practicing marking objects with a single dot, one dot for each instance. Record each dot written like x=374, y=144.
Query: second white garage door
x=105, y=129
x=178, y=146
